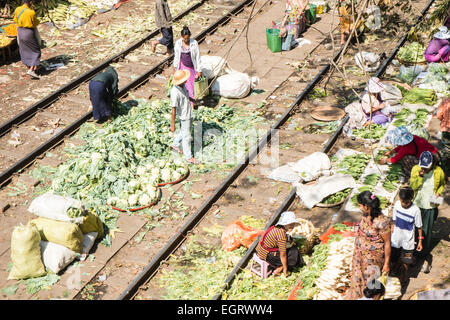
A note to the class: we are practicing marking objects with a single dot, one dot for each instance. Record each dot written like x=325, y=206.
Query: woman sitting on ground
x=438, y=49
x=273, y=245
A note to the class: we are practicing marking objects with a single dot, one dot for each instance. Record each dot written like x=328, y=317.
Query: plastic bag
x=408, y=74
x=237, y=234
x=391, y=94
x=234, y=85
x=53, y=206
x=56, y=257
x=26, y=253
x=325, y=186
x=367, y=61
x=213, y=66
x=88, y=243
x=66, y=234
x=92, y=223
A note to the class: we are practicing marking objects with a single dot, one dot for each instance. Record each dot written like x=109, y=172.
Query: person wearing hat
x=439, y=47
x=372, y=108
x=181, y=106
x=273, y=245
x=408, y=148
x=427, y=181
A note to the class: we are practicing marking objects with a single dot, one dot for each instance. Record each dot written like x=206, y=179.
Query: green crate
x=273, y=40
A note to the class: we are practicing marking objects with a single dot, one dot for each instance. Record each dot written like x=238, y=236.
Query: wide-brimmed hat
x=180, y=77
x=443, y=33
x=399, y=136
x=426, y=160
x=286, y=218
x=375, y=85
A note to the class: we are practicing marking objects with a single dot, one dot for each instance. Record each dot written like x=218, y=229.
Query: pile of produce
x=414, y=52
x=421, y=116
x=335, y=279
x=4, y=40
x=10, y=30
x=354, y=165
x=436, y=79
x=371, y=179
x=401, y=116
x=304, y=235
x=392, y=286
x=65, y=13
x=420, y=95
x=336, y=197
x=373, y=131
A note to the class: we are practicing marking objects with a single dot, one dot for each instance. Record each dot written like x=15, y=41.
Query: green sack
x=92, y=223
x=66, y=234
x=26, y=253
x=201, y=89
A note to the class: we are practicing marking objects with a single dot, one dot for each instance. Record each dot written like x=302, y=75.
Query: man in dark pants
x=163, y=20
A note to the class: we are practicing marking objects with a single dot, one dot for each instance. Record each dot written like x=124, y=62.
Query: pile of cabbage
x=122, y=163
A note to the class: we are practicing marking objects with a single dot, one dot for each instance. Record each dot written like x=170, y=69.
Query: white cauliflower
x=140, y=171
x=151, y=191
x=113, y=201
x=165, y=175
x=122, y=203
x=155, y=172
x=96, y=156
x=144, y=199
x=133, y=184
x=176, y=175
x=139, y=135
x=149, y=167
x=132, y=200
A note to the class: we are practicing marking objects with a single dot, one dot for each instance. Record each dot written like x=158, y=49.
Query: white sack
x=88, y=243
x=312, y=166
x=55, y=256
x=325, y=186
x=234, y=85
x=211, y=66
x=367, y=61
x=285, y=173
x=53, y=206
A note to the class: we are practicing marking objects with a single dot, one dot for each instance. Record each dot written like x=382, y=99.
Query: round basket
x=408, y=63
x=325, y=205
x=327, y=113
x=140, y=208
x=176, y=181
x=306, y=240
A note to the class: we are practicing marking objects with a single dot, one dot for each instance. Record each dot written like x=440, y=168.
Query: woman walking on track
x=372, y=246
x=163, y=20
x=28, y=37
x=187, y=57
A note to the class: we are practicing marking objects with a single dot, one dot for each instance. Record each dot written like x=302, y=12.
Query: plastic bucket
x=273, y=40
x=311, y=14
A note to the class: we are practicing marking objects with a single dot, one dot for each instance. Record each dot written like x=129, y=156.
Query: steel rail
x=48, y=100
x=327, y=147
x=6, y=175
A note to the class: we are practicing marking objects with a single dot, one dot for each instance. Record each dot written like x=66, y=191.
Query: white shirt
x=195, y=54
x=405, y=220
x=179, y=98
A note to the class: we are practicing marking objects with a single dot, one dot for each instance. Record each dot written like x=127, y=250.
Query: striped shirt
x=276, y=238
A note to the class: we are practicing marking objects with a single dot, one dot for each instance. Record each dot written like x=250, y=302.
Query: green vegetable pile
x=401, y=116
x=337, y=197
x=371, y=179
x=421, y=117
x=414, y=52
x=373, y=131
x=419, y=95
x=354, y=165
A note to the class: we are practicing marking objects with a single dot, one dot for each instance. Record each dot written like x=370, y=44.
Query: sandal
x=194, y=161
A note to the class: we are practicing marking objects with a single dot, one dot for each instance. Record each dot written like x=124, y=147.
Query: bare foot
x=278, y=271
x=153, y=46
x=193, y=161
x=176, y=149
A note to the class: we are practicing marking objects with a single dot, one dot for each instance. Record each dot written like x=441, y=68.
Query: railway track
x=66, y=101
x=141, y=283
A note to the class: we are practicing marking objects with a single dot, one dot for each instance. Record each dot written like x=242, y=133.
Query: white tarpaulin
x=325, y=186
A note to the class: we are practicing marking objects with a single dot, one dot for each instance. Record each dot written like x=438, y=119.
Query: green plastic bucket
x=273, y=40
x=311, y=14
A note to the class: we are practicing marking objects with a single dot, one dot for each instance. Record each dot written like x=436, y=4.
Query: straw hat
x=286, y=218
x=443, y=33
x=375, y=85
x=180, y=77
